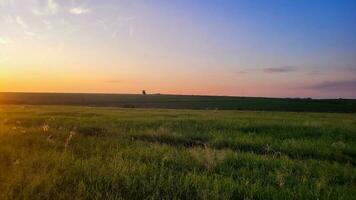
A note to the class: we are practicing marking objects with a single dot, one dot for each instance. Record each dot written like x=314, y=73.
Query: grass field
x=182, y=102
x=65, y=152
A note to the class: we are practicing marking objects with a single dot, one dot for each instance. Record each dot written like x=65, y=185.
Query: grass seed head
x=70, y=137
x=45, y=128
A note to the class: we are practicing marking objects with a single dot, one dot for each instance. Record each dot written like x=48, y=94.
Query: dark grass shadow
x=92, y=131
x=256, y=148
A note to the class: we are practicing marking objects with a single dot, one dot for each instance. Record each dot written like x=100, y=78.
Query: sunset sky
x=274, y=48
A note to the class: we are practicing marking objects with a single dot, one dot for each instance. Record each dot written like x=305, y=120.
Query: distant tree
x=144, y=92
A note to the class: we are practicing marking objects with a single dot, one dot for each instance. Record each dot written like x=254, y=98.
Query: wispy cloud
x=242, y=72
x=286, y=69
x=314, y=72
x=79, y=10
x=342, y=85
x=51, y=8
x=21, y=22
x=351, y=69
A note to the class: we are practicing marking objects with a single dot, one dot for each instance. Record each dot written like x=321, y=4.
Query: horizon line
x=176, y=94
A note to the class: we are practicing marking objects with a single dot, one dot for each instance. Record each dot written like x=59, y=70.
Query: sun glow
x=115, y=47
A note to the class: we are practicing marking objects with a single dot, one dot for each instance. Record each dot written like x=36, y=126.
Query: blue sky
x=279, y=48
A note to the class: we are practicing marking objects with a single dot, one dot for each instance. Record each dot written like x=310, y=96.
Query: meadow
x=182, y=102
x=69, y=152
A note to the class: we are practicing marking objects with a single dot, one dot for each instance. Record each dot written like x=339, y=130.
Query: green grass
x=63, y=152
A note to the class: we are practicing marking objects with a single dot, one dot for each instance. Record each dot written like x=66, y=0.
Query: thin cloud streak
x=79, y=11
x=242, y=72
x=351, y=69
x=20, y=22
x=342, y=85
x=280, y=69
x=51, y=8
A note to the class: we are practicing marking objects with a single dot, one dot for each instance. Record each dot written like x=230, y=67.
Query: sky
x=270, y=48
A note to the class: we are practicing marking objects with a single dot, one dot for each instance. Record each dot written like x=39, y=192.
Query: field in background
x=182, y=102
x=64, y=152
